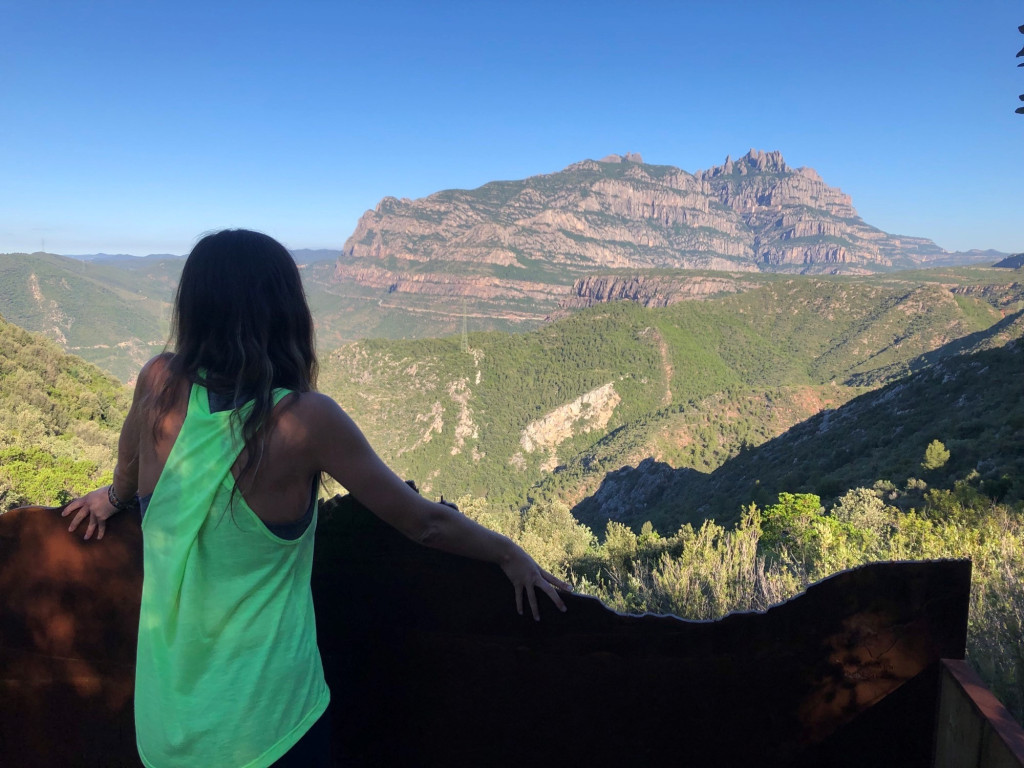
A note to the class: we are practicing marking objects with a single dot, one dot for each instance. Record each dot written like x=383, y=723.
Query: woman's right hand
x=526, y=576
x=95, y=506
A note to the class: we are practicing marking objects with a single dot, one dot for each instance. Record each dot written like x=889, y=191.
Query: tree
x=789, y=524
x=935, y=455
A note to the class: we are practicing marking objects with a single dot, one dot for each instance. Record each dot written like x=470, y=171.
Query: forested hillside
x=972, y=403
x=59, y=421
x=690, y=385
x=114, y=314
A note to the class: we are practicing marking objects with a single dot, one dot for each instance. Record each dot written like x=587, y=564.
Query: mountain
x=755, y=213
x=508, y=256
x=1015, y=261
x=513, y=252
x=118, y=257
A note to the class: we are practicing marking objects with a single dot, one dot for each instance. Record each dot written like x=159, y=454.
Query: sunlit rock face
x=430, y=665
x=754, y=213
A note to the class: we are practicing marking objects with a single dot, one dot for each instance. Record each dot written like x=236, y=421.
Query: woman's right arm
x=339, y=448
x=95, y=506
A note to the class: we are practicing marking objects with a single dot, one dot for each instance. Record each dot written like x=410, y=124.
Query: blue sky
x=133, y=127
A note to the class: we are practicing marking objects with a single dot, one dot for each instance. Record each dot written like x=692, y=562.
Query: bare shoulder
x=312, y=424
x=154, y=373
x=312, y=405
x=312, y=413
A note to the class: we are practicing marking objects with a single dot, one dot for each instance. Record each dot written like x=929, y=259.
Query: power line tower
x=465, y=334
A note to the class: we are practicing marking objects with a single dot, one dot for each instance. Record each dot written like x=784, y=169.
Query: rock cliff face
x=755, y=213
x=649, y=290
x=447, y=284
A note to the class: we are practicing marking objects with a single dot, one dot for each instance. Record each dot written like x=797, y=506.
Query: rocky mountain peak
x=629, y=157
x=755, y=161
x=765, y=161
x=752, y=213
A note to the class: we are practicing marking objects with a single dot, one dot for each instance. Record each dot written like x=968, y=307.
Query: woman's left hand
x=526, y=576
x=95, y=506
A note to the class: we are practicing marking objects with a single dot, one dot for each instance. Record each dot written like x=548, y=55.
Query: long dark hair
x=241, y=326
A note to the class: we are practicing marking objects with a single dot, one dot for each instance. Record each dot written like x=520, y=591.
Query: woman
x=224, y=444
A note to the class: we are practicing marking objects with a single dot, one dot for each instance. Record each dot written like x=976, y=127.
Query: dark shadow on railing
x=429, y=664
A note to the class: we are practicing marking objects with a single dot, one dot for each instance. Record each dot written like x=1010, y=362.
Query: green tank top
x=228, y=672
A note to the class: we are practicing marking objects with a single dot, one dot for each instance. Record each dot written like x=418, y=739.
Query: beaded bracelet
x=115, y=502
